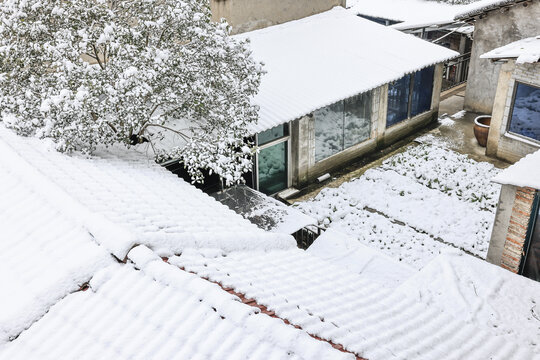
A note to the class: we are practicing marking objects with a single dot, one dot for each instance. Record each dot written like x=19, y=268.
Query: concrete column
x=302, y=144
x=381, y=120
x=500, y=227
x=437, y=86
x=499, y=107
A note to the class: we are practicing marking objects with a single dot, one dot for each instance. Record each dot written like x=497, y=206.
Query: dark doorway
x=531, y=260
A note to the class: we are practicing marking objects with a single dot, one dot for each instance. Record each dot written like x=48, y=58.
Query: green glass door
x=273, y=171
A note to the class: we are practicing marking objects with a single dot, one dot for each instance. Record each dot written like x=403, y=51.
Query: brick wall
x=517, y=229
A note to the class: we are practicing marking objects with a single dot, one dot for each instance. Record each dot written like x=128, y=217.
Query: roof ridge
x=100, y=228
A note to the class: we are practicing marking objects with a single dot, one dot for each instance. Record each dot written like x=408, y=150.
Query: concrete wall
x=500, y=226
x=248, y=15
x=494, y=30
x=304, y=167
x=500, y=144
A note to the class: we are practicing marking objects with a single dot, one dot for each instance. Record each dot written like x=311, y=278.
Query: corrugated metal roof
x=325, y=58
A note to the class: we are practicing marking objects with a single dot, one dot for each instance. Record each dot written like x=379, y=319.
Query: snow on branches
x=97, y=72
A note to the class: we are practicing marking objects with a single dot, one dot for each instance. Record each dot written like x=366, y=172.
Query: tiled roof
x=364, y=318
x=325, y=58
x=161, y=312
x=45, y=253
x=122, y=198
x=483, y=6
x=524, y=50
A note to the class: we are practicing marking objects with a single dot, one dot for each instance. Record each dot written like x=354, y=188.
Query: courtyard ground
x=432, y=194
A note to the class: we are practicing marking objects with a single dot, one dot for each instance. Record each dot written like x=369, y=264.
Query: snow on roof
x=160, y=312
x=358, y=258
x=44, y=253
x=483, y=6
x=524, y=173
x=525, y=50
x=491, y=297
x=348, y=309
x=325, y=58
x=122, y=198
x=411, y=13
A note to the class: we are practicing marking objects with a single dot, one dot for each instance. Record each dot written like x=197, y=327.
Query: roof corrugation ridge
x=100, y=227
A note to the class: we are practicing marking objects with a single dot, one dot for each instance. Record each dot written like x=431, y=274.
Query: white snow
x=459, y=114
x=487, y=296
x=410, y=13
x=414, y=205
x=524, y=51
x=140, y=314
x=319, y=60
x=349, y=309
x=480, y=7
x=123, y=199
x=347, y=252
x=524, y=173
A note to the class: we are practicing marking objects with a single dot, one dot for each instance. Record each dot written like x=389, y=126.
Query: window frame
x=410, y=97
x=511, y=112
x=278, y=141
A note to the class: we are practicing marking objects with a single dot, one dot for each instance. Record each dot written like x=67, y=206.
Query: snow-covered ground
x=414, y=205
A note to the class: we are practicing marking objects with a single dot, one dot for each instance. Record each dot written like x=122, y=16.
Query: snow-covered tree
x=97, y=72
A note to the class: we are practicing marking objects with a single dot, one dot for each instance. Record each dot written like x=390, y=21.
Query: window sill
x=522, y=139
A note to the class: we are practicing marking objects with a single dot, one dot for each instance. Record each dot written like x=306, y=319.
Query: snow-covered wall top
x=411, y=13
x=325, y=58
x=525, y=50
x=122, y=198
x=480, y=7
x=524, y=173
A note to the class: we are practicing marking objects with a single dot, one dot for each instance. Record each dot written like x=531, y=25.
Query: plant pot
x=481, y=129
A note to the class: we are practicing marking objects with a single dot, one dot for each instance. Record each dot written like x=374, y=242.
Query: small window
x=398, y=101
x=273, y=134
x=525, y=118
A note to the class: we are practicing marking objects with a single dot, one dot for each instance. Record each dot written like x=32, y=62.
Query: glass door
x=273, y=160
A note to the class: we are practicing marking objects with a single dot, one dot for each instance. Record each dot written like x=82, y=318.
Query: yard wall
x=304, y=167
x=248, y=15
x=492, y=31
x=510, y=228
x=501, y=144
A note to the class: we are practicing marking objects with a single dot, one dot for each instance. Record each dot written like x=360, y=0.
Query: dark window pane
x=357, y=119
x=398, y=101
x=531, y=267
x=273, y=134
x=273, y=168
x=525, y=118
x=422, y=91
x=328, y=131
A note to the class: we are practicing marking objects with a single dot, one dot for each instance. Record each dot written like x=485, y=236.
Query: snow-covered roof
x=160, y=312
x=325, y=58
x=524, y=173
x=524, y=50
x=483, y=6
x=411, y=13
x=376, y=322
x=123, y=198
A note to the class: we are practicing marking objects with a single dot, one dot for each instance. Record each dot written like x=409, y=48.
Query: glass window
x=525, y=119
x=273, y=168
x=357, y=120
x=422, y=91
x=398, y=101
x=328, y=131
x=531, y=268
x=273, y=134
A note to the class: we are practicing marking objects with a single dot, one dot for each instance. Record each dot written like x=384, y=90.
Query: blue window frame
x=525, y=116
x=398, y=101
x=422, y=91
x=409, y=96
